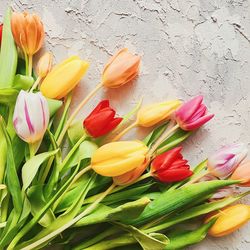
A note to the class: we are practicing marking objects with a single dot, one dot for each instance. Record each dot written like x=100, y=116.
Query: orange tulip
x=229, y=220
x=242, y=173
x=121, y=68
x=28, y=32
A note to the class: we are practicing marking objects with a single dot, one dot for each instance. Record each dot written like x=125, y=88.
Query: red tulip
x=170, y=166
x=192, y=114
x=101, y=120
x=1, y=32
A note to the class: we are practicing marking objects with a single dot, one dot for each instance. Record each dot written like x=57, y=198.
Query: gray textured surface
x=187, y=47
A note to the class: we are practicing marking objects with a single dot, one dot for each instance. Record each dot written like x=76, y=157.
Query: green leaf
x=75, y=132
x=8, y=96
x=31, y=167
x=8, y=54
x=179, y=136
x=184, y=239
x=23, y=82
x=12, y=180
x=155, y=134
x=104, y=213
x=128, y=194
x=37, y=202
x=66, y=216
x=28, y=226
x=193, y=212
x=174, y=200
x=54, y=106
x=3, y=156
x=154, y=241
x=85, y=151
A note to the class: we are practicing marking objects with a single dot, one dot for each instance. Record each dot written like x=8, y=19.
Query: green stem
x=34, y=86
x=30, y=59
x=26, y=64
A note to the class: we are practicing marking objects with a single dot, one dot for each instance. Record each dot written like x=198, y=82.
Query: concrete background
x=188, y=47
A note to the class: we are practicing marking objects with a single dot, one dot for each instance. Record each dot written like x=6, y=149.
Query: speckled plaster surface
x=188, y=47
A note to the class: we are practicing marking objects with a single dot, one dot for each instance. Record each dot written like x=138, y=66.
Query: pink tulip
x=226, y=160
x=192, y=114
x=31, y=116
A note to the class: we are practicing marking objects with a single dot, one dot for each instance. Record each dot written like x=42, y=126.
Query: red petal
x=174, y=175
x=111, y=125
x=166, y=159
x=103, y=104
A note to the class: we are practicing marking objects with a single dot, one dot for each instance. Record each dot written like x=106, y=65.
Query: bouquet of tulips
x=102, y=192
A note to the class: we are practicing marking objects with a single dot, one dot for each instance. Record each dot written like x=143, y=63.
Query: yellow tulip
x=64, y=77
x=117, y=158
x=44, y=64
x=229, y=220
x=154, y=113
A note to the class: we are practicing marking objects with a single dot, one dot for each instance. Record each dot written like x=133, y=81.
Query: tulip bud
x=44, y=64
x=101, y=120
x=64, y=77
x=117, y=158
x=226, y=160
x=229, y=220
x=152, y=114
x=121, y=69
x=242, y=173
x=28, y=32
x=31, y=116
x=1, y=32
x=192, y=114
x=170, y=166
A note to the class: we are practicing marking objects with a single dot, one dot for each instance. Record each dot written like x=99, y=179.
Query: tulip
x=31, y=116
x=121, y=69
x=1, y=32
x=117, y=158
x=44, y=64
x=226, y=160
x=101, y=120
x=64, y=77
x=192, y=114
x=170, y=166
x=28, y=32
x=229, y=220
x=242, y=173
x=43, y=68
x=152, y=114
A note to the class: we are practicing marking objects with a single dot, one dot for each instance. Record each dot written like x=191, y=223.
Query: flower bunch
x=127, y=188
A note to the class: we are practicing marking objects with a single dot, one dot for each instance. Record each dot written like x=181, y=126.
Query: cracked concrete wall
x=188, y=47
